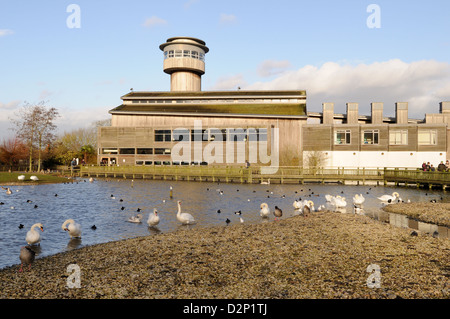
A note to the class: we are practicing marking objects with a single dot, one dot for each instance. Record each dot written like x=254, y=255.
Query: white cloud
x=227, y=19
x=5, y=32
x=422, y=83
x=154, y=21
x=229, y=83
x=272, y=67
x=10, y=105
x=190, y=3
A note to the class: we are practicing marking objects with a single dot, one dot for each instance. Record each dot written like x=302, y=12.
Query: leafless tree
x=34, y=126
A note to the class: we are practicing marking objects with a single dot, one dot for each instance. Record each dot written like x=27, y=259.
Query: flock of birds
x=304, y=207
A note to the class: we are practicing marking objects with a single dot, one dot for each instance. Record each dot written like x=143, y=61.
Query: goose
x=358, y=200
x=21, y=177
x=266, y=183
x=73, y=228
x=153, y=219
x=386, y=198
x=135, y=219
x=33, y=236
x=184, y=218
x=34, y=178
x=265, y=211
x=26, y=256
x=277, y=212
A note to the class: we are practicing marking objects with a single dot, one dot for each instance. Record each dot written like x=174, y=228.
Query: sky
x=81, y=56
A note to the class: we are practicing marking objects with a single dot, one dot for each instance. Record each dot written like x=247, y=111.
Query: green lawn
x=7, y=178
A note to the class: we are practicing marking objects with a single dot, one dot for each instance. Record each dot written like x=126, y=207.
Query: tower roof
x=185, y=40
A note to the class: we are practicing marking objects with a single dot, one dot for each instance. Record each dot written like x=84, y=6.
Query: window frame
x=374, y=141
x=347, y=140
x=432, y=133
x=403, y=137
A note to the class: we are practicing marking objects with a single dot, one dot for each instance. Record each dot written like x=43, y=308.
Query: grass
x=11, y=178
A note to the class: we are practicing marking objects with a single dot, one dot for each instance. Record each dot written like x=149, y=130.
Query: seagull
x=135, y=219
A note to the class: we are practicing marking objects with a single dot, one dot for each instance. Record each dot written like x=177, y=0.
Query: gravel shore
x=435, y=213
x=325, y=255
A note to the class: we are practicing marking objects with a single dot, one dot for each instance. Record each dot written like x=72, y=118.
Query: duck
x=386, y=198
x=33, y=237
x=91, y=180
x=277, y=212
x=135, y=219
x=153, y=219
x=27, y=256
x=73, y=228
x=358, y=200
x=21, y=177
x=265, y=211
x=8, y=190
x=184, y=218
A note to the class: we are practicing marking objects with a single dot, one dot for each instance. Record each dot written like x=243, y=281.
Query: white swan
x=386, y=198
x=73, y=228
x=135, y=219
x=33, y=237
x=358, y=200
x=21, y=177
x=184, y=218
x=339, y=202
x=328, y=197
x=153, y=219
x=265, y=211
x=297, y=204
x=34, y=178
x=266, y=183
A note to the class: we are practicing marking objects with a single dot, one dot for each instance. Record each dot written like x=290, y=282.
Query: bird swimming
x=386, y=198
x=135, y=219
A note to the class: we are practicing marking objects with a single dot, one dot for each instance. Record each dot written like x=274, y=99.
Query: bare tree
x=34, y=127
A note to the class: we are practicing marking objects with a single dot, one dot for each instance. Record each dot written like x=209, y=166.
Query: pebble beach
x=325, y=255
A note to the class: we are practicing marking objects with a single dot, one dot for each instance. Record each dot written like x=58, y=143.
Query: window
x=109, y=151
x=178, y=53
x=144, y=151
x=342, y=137
x=218, y=135
x=163, y=136
x=255, y=135
x=237, y=135
x=186, y=53
x=398, y=137
x=199, y=135
x=370, y=137
x=166, y=54
x=194, y=54
x=162, y=151
x=127, y=151
x=427, y=137
x=202, y=56
x=180, y=135
x=171, y=53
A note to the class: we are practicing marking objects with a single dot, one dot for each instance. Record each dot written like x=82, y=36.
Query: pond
x=108, y=203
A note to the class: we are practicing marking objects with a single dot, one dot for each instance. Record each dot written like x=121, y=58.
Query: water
x=91, y=204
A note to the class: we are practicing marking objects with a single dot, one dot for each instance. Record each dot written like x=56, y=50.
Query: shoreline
x=325, y=255
x=434, y=213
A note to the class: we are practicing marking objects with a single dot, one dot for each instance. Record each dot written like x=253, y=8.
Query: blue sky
x=324, y=47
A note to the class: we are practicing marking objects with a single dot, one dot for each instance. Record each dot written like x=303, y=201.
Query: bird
x=33, y=237
x=8, y=191
x=26, y=256
x=338, y=201
x=93, y=227
x=21, y=177
x=238, y=213
x=34, y=178
x=386, y=198
x=241, y=220
x=135, y=219
x=184, y=218
x=91, y=180
x=277, y=212
x=266, y=183
x=227, y=221
x=265, y=211
x=72, y=227
x=306, y=210
x=153, y=219
x=297, y=204
x=21, y=226
x=358, y=200
x=328, y=197
x=218, y=211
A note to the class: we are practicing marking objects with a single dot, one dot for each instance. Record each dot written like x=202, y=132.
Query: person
x=441, y=167
x=424, y=166
x=432, y=168
x=428, y=166
x=247, y=164
x=447, y=165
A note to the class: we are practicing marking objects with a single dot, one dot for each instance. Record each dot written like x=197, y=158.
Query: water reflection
x=92, y=204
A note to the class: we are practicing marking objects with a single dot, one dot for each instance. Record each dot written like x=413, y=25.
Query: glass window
x=139, y=162
x=218, y=135
x=180, y=135
x=148, y=163
x=370, y=137
x=186, y=53
x=109, y=151
x=237, y=135
x=144, y=151
x=171, y=53
x=127, y=151
x=163, y=136
x=342, y=137
x=194, y=54
x=162, y=151
x=201, y=56
x=178, y=53
x=427, y=137
x=166, y=54
x=199, y=135
x=398, y=137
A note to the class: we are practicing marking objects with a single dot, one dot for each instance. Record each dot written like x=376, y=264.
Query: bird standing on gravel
x=26, y=256
x=277, y=212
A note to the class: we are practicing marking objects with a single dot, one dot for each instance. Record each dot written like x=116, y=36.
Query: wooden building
x=187, y=126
